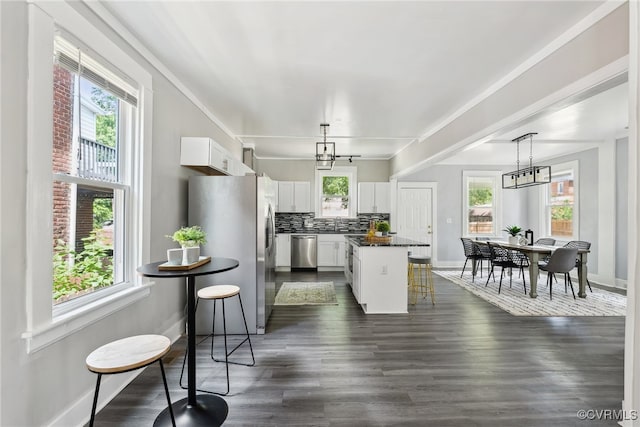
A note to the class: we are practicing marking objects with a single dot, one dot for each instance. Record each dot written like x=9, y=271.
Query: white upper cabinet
x=302, y=196
x=294, y=196
x=207, y=156
x=374, y=197
x=285, y=196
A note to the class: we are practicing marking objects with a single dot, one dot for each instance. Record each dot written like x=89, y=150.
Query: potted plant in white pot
x=190, y=238
x=514, y=232
x=383, y=227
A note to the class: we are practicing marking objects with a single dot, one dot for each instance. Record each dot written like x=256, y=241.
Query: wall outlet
x=384, y=269
x=449, y=221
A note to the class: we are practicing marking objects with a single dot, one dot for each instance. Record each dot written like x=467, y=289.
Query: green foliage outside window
x=335, y=185
x=479, y=196
x=105, y=124
x=75, y=273
x=562, y=212
x=102, y=212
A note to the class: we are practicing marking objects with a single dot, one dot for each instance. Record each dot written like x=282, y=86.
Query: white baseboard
x=336, y=268
x=621, y=283
x=598, y=280
x=79, y=412
x=449, y=264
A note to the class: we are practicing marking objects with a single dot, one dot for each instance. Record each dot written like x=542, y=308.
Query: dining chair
x=521, y=260
x=485, y=255
x=548, y=241
x=562, y=260
x=579, y=244
x=504, y=258
x=471, y=253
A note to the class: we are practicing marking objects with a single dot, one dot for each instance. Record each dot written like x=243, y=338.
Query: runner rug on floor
x=307, y=293
x=514, y=301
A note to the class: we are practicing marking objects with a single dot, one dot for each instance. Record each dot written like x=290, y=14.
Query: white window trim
x=545, y=221
x=42, y=327
x=497, y=201
x=352, y=173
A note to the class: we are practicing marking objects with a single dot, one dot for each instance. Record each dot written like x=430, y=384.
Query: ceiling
x=582, y=125
x=381, y=73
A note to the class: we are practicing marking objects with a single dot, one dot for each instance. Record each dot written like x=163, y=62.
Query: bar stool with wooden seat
x=128, y=354
x=418, y=285
x=221, y=293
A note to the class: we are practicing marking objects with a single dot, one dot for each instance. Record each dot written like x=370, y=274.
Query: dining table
x=536, y=253
x=195, y=409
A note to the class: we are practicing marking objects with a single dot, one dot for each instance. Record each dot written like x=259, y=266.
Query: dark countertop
x=312, y=231
x=395, y=241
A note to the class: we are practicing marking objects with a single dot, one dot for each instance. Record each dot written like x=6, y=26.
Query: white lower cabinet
x=331, y=250
x=380, y=279
x=283, y=250
x=356, y=285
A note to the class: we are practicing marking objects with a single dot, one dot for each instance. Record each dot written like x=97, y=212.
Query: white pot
x=174, y=256
x=190, y=254
x=513, y=240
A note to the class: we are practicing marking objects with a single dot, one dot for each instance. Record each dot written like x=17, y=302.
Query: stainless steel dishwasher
x=304, y=251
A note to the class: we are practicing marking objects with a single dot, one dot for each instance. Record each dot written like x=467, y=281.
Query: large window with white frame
x=88, y=145
x=560, y=201
x=481, y=203
x=336, y=192
x=94, y=119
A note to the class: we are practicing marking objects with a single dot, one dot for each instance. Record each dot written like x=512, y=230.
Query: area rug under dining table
x=513, y=299
x=307, y=293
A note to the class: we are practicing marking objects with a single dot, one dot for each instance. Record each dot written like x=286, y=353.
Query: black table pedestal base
x=209, y=411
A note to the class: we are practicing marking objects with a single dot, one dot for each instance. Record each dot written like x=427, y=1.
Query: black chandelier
x=526, y=177
x=325, y=151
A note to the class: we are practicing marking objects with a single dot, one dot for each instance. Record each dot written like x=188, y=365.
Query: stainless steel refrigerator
x=237, y=213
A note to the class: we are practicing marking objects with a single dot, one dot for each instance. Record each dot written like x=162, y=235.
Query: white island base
x=379, y=280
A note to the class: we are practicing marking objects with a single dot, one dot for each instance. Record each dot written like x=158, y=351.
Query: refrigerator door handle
x=270, y=231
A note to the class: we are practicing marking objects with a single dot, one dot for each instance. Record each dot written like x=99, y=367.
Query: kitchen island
x=377, y=273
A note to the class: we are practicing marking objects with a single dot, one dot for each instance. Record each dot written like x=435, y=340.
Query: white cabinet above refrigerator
x=209, y=157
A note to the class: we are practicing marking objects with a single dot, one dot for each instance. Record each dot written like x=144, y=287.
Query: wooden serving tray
x=203, y=260
x=378, y=239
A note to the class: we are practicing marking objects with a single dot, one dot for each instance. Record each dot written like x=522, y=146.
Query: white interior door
x=415, y=216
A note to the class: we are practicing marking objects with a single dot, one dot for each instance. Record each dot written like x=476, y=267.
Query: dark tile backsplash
x=308, y=223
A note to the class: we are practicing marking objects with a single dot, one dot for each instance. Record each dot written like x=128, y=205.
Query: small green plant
x=190, y=236
x=383, y=226
x=513, y=230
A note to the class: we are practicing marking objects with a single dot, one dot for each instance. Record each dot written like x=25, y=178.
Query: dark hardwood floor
x=462, y=362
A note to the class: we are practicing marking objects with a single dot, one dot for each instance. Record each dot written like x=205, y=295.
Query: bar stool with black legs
x=221, y=293
x=417, y=264
x=128, y=354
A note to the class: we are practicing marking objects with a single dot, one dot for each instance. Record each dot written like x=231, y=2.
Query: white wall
x=622, y=208
x=304, y=170
x=44, y=386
